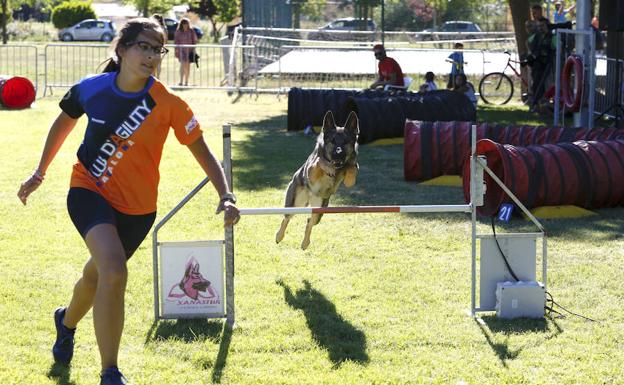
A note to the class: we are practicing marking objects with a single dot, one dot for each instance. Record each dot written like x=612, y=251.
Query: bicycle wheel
x=496, y=88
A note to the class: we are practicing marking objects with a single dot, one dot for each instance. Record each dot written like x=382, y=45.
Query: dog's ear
x=328, y=121
x=352, y=125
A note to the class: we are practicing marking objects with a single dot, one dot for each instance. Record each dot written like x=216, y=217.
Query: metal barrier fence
x=356, y=67
x=66, y=64
x=20, y=60
x=607, y=87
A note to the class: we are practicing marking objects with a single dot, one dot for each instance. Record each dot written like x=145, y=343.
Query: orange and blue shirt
x=122, y=146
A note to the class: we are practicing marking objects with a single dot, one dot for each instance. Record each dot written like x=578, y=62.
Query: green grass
x=376, y=299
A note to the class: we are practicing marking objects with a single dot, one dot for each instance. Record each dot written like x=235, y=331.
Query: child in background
x=429, y=83
x=457, y=60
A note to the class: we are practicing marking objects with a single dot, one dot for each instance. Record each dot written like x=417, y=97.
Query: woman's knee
x=113, y=274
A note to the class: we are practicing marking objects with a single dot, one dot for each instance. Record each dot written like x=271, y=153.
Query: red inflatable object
x=432, y=149
x=585, y=174
x=16, y=92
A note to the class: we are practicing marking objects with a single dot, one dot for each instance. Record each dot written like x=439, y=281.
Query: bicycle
x=497, y=87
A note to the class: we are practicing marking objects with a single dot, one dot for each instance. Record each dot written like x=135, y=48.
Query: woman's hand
x=231, y=215
x=28, y=186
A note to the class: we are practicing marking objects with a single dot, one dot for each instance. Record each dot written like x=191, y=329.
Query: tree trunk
x=520, y=13
x=3, y=21
x=296, y=15
x=145, y=8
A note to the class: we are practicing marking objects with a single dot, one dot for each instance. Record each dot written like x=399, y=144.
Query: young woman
x=113, y=188
x=185, y=35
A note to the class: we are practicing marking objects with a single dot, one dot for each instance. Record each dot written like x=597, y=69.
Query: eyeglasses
x=145, y=47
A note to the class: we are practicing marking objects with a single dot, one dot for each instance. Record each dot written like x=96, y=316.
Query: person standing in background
x=160, y=21
x=560, y=15
x=457, y=64
x=185, y=35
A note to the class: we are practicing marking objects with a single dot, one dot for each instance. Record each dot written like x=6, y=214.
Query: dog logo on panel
x=193, y=285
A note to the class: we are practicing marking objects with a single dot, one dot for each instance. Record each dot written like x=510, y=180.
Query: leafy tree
x=4, y=19
x=216, y=11
x=149, y=7
x=71, y=12
x=411, y=15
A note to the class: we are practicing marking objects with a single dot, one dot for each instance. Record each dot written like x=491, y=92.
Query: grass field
x=376, y=299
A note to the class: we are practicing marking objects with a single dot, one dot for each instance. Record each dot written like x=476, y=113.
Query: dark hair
x=462, y=77
x=158, y=17
x=429, y=76
x=127, y=35
x=182, y=21
x=536, y=6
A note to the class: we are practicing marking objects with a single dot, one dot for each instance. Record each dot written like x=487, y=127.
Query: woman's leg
x=82, y=298
x=181, y=72
x=108, y=305
x=187, y=70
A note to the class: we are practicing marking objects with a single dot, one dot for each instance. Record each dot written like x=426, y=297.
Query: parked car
x=451, y=26
x=344, y=24
x=172, y=25
x=89, y=29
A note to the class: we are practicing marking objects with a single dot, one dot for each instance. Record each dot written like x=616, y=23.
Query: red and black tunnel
x=16, y=92
x=432, y=149
x=588, y=174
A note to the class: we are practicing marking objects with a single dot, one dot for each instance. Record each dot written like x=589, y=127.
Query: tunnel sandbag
x=307, y=107
x=587, y=174
x=384, y=117
x=16, y=92
x=432, y=149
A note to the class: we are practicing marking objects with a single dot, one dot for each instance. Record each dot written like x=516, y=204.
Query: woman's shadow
x=339, y=337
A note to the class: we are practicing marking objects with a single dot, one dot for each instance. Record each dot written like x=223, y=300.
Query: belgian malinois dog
x=334, y=160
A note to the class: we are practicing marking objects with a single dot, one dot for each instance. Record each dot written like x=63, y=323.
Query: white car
x=90, y=29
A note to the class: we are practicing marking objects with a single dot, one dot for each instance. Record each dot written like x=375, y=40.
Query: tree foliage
x=216, y=11
x=411, y=15
x=71, y=12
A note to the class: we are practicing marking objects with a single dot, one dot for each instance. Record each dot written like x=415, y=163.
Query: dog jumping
x=334, y=160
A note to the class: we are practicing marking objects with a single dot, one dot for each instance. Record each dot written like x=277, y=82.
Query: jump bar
x=358, y=209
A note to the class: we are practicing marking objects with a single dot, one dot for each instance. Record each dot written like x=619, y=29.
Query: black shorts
x=88, y=208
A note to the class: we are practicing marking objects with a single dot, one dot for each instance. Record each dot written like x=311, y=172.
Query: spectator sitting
x=390, y=73
x=429, y=83
x=464, y=86
x=457, y=60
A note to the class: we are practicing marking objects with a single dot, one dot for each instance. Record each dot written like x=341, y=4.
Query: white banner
x=191, y=282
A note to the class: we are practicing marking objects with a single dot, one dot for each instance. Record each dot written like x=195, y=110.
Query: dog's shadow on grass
x=60, y=373
x=491, y=326
x=196, y=330
x=339, y=337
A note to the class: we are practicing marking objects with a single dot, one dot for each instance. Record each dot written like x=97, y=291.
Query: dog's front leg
x=282, y=230
x=351, y=175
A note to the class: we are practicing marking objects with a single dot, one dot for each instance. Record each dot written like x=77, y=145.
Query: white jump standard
x=520, y=247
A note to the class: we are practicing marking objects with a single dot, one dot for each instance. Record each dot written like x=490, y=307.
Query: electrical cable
x=549, y=297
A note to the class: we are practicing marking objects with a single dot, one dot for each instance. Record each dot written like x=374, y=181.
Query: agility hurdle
x=477, y=192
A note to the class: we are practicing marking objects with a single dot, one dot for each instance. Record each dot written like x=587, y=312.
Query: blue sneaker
x=112, y=376
x=63, y=349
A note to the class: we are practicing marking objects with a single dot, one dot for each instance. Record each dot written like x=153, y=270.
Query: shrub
x=71, y=12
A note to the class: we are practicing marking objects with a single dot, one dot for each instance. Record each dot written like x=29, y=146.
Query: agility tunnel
x=385, y=117
x=382, y=114
x=16, y=92
x=587, y=174
x=307, y=107
x=432, y=149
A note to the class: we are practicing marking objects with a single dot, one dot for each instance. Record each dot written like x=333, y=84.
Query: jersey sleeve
x=185, y=125
x=70, y=104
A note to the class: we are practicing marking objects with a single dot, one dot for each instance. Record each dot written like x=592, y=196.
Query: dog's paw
x=279, y=236
x=305, y=243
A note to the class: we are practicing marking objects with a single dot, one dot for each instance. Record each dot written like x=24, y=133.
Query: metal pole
x=583, y=17
x=357, y=209
x=229, y=230
x=557, y=78
x=473, y=218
